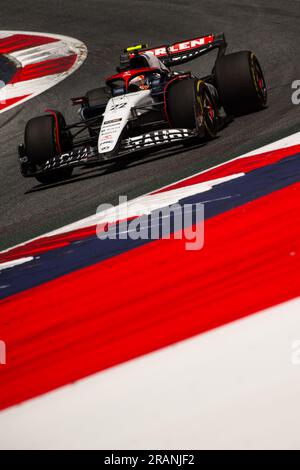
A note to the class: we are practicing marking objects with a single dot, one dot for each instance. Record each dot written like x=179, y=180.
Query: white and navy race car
x=144, y=106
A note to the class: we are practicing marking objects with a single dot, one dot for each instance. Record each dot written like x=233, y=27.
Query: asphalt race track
x=271, y=29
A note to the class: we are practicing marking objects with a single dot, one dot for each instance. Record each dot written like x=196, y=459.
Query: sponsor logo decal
x=68, y=157
x=183, y=46
x=118, y=106
x=105, y=147
x=112, y=121
x=157, y=137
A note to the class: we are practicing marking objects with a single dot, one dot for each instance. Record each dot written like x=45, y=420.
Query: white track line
x=16, y=262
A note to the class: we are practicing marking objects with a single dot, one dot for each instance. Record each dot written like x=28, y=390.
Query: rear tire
x=44, y=139
x=240, y=83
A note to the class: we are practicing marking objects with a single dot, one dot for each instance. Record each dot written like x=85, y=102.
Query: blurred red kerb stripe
x=18, y=42
x=45, y=68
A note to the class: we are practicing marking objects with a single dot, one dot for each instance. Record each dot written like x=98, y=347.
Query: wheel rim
x=209, y=113
x=259, y=80
x=209, y=108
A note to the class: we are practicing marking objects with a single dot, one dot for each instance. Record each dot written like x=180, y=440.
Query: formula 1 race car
x=144, y=106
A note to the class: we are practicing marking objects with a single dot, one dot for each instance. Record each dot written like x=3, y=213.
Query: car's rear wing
x=184, y=51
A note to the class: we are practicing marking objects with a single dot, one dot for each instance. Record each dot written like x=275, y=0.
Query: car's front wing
x=90, y=155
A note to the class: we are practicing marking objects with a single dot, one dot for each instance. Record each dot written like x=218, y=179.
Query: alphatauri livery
x=144, y=106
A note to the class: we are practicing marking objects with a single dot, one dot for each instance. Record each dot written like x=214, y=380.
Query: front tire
x=45, y=137
x=240, y=83
x=189, y=104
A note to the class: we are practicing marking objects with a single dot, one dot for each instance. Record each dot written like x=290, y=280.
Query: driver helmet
x=140, y=82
